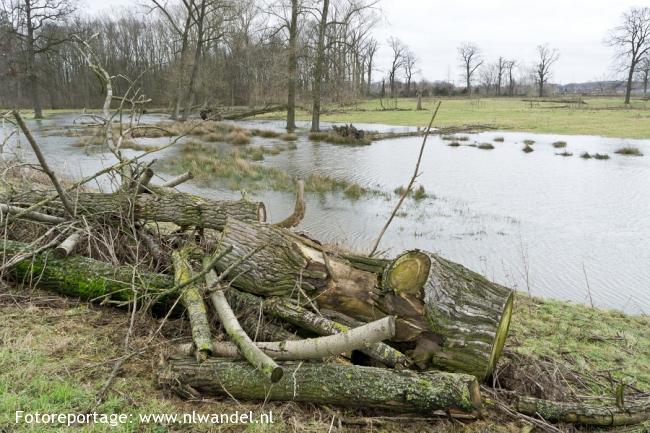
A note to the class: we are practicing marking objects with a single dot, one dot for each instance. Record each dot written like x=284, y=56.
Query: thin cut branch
x=175, y=181
x=30, y=215
x=312, y=348
x=410, y=185
x=248, y=349
x=67, y=246
x=299, y=209
x=41, y=159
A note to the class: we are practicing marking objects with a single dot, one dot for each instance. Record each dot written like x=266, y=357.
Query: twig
x=409, y=186
x=584, y=271
x=175, y=181
x=46, y=168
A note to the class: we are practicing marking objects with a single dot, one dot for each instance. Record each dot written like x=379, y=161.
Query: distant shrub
x=289, y=137
x=238, y=138
x=486, y=146
x=585, y=155
x=629, y=151
x=454, y=144
x=420, y=193
x=499, y=139
x=559, y=144
x=565, y=153
x=601, y=156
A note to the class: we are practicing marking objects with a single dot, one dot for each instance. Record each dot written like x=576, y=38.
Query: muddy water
x=539, y=222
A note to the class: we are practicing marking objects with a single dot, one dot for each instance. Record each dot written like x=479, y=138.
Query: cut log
x=192, y=300
x=468, y=316
x=179, y=208
x=348, y=386
x=175, y=181
x=33, y=216
x=633, y=412
x=68, y=245
x=311, y=348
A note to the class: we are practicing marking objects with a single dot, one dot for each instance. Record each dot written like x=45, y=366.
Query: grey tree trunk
x=181, y=67
x=341, y=385
x=32, y=76
x=318, y=69
x=189, y=97
x=292, y=67
x=630, y=81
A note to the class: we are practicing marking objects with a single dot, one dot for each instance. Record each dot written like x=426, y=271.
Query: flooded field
x=546, y=224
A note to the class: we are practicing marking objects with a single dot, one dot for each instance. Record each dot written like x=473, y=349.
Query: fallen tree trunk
x=348, y=386
x=174, y=207
x=633, y=412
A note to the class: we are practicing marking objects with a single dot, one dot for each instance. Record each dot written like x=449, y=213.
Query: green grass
x=56, y=353
x=629, y=151
x=605, y=116
x=593, y=343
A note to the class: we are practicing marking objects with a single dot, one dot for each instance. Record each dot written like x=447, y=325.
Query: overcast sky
x=510, y=28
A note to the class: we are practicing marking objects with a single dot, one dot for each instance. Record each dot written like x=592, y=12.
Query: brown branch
x=69, y=209
x=298, y=210
x=410, y=185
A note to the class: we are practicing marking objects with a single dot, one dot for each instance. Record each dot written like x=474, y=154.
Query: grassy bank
x=597, y=116
x=56, y=353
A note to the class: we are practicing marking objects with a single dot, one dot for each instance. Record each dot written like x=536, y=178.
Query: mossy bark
x=348, y=386
x=179, y=208
x=82, y=277
x=633, y=412
x=192, y=300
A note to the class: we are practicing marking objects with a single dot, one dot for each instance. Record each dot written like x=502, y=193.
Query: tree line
x=186, y=54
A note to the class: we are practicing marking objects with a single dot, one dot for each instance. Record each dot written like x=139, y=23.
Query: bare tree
x=500, y=69
x=399, y=52
x=410, y=60
x=510, y=66
x=488, y=77
x=371, y=49
x=33, y=23
x=632, y=41
x=470, y=56
x=643, y=71
x=547, y=57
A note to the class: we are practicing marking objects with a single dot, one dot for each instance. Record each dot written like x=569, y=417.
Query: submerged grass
x=334, y=138
x=486, y=146
x=527, y=149
x=239, y=170
x=559, y=144
x=629, y=151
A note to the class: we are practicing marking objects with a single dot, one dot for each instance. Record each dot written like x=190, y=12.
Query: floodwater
x=553, y=226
